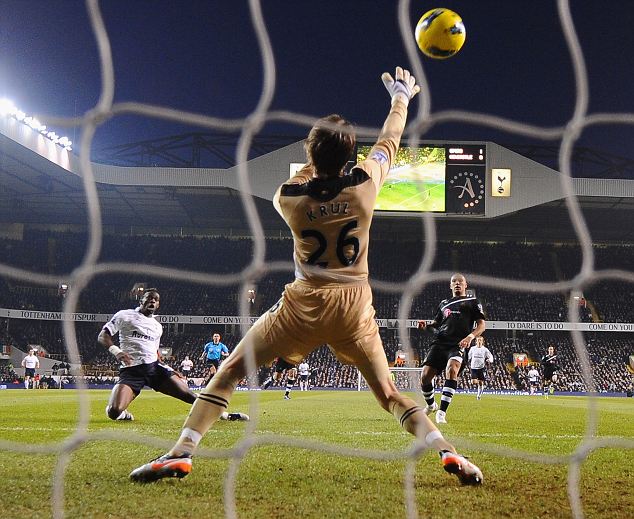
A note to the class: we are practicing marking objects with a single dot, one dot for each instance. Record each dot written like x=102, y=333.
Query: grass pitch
x=404, y=195
x=286, y=482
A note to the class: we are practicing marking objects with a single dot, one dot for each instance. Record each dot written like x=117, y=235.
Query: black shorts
x=549, y=374
x=282, y=365
x=153, y=375
x=29, y=372
x=478, y=374
x=438, y=355
x=213, y=362
x=303, y=377
x=534, y=382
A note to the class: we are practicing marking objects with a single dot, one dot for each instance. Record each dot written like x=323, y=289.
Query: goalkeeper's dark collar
x=324, y=190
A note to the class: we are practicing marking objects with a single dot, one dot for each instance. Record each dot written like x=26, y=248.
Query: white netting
x=248, y=127
x=406, y=379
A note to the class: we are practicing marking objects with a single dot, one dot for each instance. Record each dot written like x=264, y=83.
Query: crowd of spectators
x=110, y=292
x=608, y=354
x=222, y=255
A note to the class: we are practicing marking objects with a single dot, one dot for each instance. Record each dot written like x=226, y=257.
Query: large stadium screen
x=415, y=182
x=440, y=179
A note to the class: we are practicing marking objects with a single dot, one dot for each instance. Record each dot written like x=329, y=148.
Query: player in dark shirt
x=549, y=363
x=277, y=373
x=457, y=322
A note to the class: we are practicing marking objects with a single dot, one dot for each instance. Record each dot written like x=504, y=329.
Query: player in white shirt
x=533, y=379
x=139, y=341
x=479, y=355
x=30, y=363
x=304, y=373
x=186, y=366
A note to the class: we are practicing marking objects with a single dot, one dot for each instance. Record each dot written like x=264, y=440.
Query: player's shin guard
x=428, y=393
x=447, y=393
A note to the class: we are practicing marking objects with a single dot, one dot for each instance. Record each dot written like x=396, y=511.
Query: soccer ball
x=440, y=33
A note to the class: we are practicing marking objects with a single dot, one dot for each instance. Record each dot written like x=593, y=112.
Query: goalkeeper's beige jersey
x=330, y=218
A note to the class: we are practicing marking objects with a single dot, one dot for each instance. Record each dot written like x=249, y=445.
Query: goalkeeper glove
x=402, y=87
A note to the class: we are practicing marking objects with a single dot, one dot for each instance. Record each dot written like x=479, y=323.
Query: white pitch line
x=396, y=432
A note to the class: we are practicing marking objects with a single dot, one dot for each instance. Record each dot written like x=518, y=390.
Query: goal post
x=406, y=379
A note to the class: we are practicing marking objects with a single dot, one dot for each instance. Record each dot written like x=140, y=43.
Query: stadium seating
x=536, y=262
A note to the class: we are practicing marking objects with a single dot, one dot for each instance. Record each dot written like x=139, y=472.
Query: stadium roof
x=37, y=191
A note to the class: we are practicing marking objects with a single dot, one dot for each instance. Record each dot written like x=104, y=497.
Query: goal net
x=406, y=379
x=92, y=266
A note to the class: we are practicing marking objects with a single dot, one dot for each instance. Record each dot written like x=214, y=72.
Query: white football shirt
x=478, y=356
x=30, y=361
x=533, y=375
x=303, y=368
x=139, y=336
x=187, y=365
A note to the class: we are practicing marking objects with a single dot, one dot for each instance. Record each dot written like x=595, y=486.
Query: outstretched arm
x=402, y=88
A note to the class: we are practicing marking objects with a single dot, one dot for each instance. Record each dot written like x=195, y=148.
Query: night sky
x=202, y=56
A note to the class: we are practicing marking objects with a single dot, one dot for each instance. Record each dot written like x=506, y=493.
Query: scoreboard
x=448, y=179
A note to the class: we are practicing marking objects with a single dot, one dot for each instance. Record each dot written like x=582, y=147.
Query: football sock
x=409, y=418
x=428, y=393
x=409, y=414
x=447, y=393
x=205, y=411
x=289, y=385
x=267, y=383
x=413, y=419
x=187, y=443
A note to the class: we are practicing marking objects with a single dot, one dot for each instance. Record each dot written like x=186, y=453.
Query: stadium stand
x=537, y=262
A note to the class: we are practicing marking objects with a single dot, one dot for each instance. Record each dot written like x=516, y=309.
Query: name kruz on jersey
x=333, y=208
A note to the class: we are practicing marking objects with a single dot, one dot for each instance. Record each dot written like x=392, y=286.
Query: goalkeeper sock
x=205, y=411
x=447, y=393
x=413, y=419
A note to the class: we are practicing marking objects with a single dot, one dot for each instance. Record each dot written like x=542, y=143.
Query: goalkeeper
x=330, y=301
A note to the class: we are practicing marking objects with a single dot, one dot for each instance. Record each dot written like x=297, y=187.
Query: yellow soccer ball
x=440, y=33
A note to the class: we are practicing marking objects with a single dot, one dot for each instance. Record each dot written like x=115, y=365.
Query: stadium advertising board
x=554, y=326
